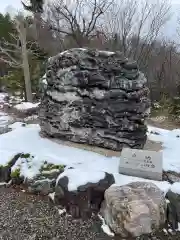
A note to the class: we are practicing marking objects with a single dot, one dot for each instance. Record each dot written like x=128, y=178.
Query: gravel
x=30, y=217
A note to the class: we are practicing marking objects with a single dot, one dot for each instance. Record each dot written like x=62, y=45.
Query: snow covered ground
x=26, y=139
x=171, y=146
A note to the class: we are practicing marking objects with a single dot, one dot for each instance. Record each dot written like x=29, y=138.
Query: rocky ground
x=31, y=217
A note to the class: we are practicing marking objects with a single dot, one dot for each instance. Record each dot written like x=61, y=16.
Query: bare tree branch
x=79, y=20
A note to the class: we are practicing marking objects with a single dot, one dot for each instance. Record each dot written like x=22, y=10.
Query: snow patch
x=44, y=80
x=165, y=231
x=170, y=142
x=2, y=97
x=26, y=105
x=107, y=53
x=51, y=196
x=61, y=211
x=105, y=227
x=3, y=184
x=175, y=188
x=178, y=229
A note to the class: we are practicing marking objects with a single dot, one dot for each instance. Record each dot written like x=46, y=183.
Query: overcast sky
x=170, y=30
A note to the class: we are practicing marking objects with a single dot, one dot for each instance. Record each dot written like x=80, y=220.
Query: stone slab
x=141, y=163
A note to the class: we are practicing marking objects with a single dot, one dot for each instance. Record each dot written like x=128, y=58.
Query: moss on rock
x=51, y=166
x=15, y=173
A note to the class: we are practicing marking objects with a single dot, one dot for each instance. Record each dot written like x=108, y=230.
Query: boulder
x=173, y=209
x=95, y=97
x=84, y=200
x=134, y=209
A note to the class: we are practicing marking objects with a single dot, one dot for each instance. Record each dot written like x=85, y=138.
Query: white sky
x=17, y=4
x=170, y=30
x=6, y=3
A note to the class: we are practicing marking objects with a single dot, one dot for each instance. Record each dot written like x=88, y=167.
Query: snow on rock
x=51, y=196
x=29, y=166
x=30, y=118
x=2, y=97
x=77, y=177
x=15, y=100
x=121, y=180
x=178, y=229
x=44, y=81
x=26, y=105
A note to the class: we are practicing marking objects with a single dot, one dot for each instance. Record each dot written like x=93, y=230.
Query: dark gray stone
x=95, y=97
x=5, y=171
x=86, y=200
x=173, y=210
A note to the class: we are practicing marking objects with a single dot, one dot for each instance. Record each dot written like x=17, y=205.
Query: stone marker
x=141, y=163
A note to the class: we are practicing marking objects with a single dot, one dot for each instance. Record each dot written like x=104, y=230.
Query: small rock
x=42, y=187
x=155, y=133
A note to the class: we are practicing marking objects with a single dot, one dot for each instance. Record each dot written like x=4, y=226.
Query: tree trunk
x=25, y=63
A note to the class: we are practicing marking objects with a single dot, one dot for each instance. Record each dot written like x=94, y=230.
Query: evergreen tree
x=36, y=6
x=6, y=27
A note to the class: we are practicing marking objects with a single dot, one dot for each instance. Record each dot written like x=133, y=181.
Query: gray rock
x=5, y=171
x=173, y=213
x=95, y=97
x=86, y=200
x=42, y=187
x=134, y=209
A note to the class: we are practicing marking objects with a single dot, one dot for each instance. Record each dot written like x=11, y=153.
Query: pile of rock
x=130, y=210
x=95, y=97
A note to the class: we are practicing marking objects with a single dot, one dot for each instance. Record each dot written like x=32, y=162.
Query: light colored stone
x=141, y=163
x=134, y=209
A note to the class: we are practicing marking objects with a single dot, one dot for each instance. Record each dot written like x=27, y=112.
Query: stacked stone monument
x=95, y=97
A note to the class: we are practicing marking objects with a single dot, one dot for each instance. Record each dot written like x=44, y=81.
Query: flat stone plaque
x=141, y=163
